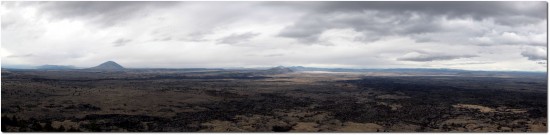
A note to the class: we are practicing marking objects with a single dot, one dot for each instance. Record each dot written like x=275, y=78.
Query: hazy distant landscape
x=111, y=98
x=274, y=66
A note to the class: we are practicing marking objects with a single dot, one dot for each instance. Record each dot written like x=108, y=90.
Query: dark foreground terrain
x=221, y=100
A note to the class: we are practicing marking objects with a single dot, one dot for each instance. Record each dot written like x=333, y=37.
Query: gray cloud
x=453, y=9
x=415, y=19
x=21, y=56
x=6, y=24
x=476, y=9
x=373, y=24
x=237, y=38
x=534, y=54
x=166, y=39
x=121, y=42
x=195, y=37
x=163, y=39
x=367, y=34
x=274, y=55
x=423, y=57
x=103, y=13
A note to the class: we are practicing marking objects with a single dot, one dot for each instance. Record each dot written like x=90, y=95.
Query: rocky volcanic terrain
x=110, y=98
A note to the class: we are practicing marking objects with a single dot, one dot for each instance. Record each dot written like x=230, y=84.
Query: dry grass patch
x=482, y=109
x=360, y=127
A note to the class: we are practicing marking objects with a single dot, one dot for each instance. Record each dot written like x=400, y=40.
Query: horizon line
x=24, y=67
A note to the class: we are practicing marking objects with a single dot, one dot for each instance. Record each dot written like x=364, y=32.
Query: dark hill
x=279, y=70
x=109, y=65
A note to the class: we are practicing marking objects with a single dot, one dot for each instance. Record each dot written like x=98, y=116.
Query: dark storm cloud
x=121, y=42
x=423, y=57
x=101, y=12
x=477, y=9
x=306, y=30
x=533, y=56
x=381, y=19
x=238, y=38
x=375, y=19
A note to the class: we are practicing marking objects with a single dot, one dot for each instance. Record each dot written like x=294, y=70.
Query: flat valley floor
x=238, y=101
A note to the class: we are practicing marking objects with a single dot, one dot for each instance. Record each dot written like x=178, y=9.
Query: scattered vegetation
x=268, y=101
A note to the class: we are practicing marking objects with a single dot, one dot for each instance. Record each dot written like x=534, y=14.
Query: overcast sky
x=460, y=35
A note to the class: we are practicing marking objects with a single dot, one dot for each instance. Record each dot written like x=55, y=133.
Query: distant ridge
x=109, y=65
x=56, y=67
x=279, y=70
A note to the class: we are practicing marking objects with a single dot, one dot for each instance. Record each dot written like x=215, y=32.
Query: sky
x=429, y=34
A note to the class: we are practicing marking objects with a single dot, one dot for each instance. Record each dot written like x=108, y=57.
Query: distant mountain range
x=55, y=67
x=280, y=70
x=275, y=70
x=300, y=68
x=111, y=65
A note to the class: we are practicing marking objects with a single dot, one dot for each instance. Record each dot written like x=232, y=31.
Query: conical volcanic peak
x=109, y=65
